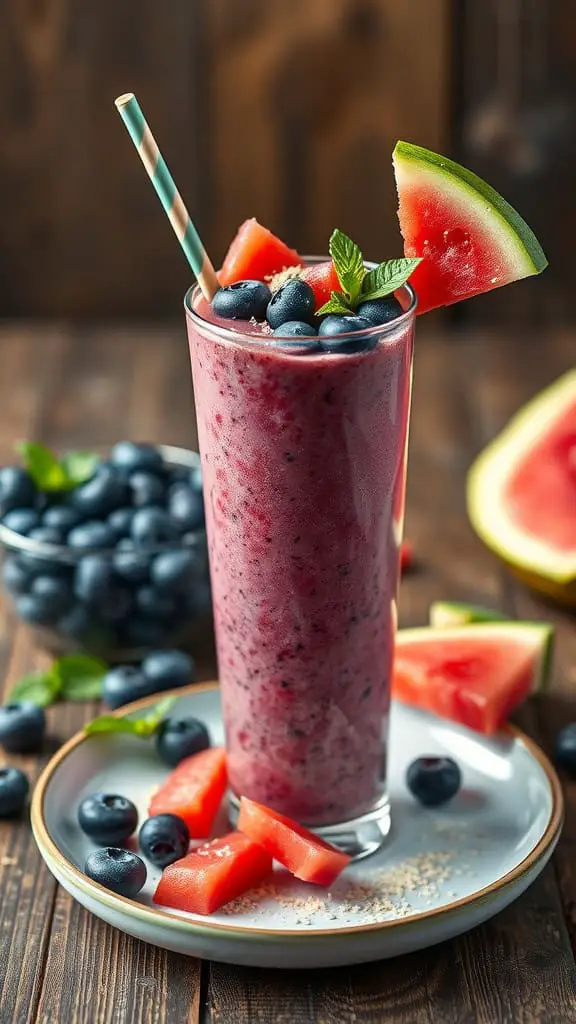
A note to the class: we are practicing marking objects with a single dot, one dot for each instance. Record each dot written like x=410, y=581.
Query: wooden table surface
x=60, y=965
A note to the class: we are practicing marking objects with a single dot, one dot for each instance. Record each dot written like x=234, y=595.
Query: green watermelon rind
x=539, y=637
x=444, y=614
x=495, y=214
x=489, y=475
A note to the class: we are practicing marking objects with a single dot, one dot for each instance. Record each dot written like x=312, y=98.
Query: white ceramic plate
x=441, y=872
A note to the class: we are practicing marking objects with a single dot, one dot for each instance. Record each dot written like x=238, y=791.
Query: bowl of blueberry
x=107, y=554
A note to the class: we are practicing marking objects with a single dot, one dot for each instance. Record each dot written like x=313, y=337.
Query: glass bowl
x=133, y=615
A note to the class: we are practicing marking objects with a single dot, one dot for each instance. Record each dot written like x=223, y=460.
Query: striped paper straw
x=139, y=131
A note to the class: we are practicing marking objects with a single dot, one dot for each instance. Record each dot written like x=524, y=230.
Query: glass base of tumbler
x=359, y=838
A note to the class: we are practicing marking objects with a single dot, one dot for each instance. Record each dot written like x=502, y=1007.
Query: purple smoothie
x=304, y=472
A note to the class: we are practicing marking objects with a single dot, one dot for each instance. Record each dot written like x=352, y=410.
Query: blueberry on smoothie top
x=380, y=311
x=334, y=327
x=295, y=300
x=243, y=300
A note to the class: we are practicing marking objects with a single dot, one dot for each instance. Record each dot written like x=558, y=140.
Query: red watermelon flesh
x=470, y=239
x=256, y=254
x=323, y=280
x=474, y=675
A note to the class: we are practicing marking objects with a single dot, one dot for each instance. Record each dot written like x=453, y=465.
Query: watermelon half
x=470, y=238
x=521, y=492
x=474, y=675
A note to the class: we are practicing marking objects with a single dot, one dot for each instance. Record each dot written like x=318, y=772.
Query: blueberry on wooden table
x=107, y=817
x=22, y=727
x=164, y=838
x=433, y=780
x=119, y=870
x=178, y=738
x=14, y=789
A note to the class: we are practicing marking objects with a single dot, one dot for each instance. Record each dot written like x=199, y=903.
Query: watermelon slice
x=474, y=675
x=521, y=492
x=194, y=791
x=323, y=280
x=256, y=254
x=454, y=613
x=470, y=238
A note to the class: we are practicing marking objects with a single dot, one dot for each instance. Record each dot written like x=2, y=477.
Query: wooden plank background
x=283, y=111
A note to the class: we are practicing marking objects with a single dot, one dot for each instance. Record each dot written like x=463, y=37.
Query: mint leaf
x=79, y=466
x=80, y=676
x=143, y=727
x=337, y=303
x=387, y=277
x=43, y=466
x=41, y=688
x=349, y=264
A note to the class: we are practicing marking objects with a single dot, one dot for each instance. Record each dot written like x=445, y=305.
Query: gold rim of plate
x=158, y=916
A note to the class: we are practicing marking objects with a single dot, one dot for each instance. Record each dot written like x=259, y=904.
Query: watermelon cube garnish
x=255, y=254
x=470, y=239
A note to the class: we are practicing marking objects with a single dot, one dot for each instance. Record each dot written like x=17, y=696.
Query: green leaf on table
x=43, y=466
x=144, y=727
x=79, y=466
x=387, y=277
x=348, y=263
x=41, y=688
x=80, y=676
x=337, y=304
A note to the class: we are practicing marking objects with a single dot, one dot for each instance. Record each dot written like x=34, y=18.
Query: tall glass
x=304, y=465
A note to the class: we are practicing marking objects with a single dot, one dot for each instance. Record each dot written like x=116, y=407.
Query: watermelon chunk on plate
x=255, y=254
x=475, y=675
x=470, y=238
x=194, y=791
x=304, y=854
x=213, y=875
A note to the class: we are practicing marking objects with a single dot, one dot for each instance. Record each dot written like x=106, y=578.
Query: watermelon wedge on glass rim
x=469, y=238
x=475, y=675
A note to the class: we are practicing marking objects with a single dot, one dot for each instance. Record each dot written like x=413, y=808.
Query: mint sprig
x=359, y=284
x=144, y=727
x=50, y=473
x=71, y=677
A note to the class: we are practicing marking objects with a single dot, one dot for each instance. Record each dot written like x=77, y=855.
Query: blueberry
x=242, y=300
x=174, y=570
x=295, y=329
x=61, y=517
x=15, y=575
x=129, y=564
x=55, y=592
x=16, y=489
x=35, y=609
x=106, y=491
x=152, y=526
x=124, y=684
x=167, y=669
x=295, y=300
x=47, y=535
x=91, y=536
x=146, y=489
x=117, y=605
x=186, y=507
x=119, y=870
x=178, y=738
x=297, y=347
x=77, y=623
x=14, y=788
x=144, y=631
x=120, y=521
x=380, y=311
x=107, y=817
x=155, y=602
x=21, y=520
x=94, y=578
x=164, y=838
x=129, y=456
x=433, y=780
x=22, y=727
x=565, y=748
x=333, y=327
